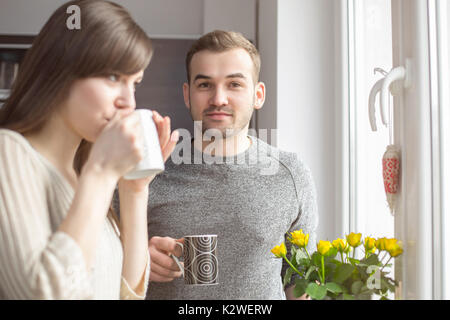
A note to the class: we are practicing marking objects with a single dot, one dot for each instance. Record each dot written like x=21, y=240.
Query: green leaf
x=331, y=253
x=348, y=296
x=336, y=262
x=316, y=259
x=333, y=287
x=304, y=262
x=364, y=296
x=371, y=260
x=316, y=291
x=354, y=262
x=300, y=287
x=293, y=259
x=293, y=250
x=329, y=269
x=387, y=286
x=300, y=255
x=356, y=287
x=343, y=272
x=288, y=276
x=308, y=273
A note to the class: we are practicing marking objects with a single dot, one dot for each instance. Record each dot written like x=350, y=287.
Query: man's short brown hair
x=220, y=41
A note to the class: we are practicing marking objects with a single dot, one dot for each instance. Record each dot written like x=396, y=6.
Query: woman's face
x=93, y=101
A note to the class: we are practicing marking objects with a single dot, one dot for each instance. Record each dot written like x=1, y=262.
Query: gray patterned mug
x=201, y=265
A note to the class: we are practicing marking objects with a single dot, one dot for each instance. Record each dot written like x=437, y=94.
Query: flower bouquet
x=334, y=271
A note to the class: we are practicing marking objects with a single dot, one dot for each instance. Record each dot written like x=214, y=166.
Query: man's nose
x=219, y=98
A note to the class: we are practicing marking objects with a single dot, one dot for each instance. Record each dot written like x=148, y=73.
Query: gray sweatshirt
x=250, y=201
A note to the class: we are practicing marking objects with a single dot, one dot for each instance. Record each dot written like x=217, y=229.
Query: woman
x=67, y=136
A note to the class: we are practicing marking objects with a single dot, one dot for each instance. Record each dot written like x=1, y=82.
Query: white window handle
x=373, y=93
x=384, y=87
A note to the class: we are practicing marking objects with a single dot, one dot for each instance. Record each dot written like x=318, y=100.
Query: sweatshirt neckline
x=247, y=152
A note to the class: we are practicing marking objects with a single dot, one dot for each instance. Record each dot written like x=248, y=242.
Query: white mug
x=152, y=162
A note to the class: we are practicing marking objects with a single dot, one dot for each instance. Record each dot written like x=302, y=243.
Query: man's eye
x=235, y=84
x=203, y=85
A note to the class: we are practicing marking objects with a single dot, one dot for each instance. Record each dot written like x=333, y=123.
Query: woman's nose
x=126, y=98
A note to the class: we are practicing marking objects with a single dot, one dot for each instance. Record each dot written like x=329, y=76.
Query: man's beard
x=223, y=133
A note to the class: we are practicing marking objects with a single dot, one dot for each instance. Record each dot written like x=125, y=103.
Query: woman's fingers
x=168, y=149
x=167, y=140
x=163, y=127
x=159, y=122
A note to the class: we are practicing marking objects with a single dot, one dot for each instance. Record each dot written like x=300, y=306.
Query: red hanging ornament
x=391, y=175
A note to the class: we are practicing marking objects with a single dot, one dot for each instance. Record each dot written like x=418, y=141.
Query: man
x=237, y=195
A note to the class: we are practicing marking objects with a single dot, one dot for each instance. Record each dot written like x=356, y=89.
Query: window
x=370, y=47
x=386, y=34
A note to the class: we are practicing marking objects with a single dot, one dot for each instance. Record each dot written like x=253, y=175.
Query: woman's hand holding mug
x=167, y=143
x=118, y=148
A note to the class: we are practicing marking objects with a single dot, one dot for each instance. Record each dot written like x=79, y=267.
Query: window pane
x=372, y=49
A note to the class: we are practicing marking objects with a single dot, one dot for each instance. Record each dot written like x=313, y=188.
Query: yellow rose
x=389, y=244
x=339, y=244
x=380, y=244
x=393, y=246
x=323, y=247
x=279, y=251
x=299, y=238
x=369, y=244
x=354, y=239
x=396, y=250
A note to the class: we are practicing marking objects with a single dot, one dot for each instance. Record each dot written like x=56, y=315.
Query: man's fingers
x=165, y=273
x=166, y=244
x=164, y=267
x=158, y=278
x=163, y=260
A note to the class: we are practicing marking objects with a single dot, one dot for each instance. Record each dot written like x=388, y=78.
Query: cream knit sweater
x=37, y=261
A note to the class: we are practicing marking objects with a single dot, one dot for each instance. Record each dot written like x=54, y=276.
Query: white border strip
x=435, y=149
x=443, y=56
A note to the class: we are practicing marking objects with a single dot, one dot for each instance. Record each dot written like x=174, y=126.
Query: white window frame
x=420, y=34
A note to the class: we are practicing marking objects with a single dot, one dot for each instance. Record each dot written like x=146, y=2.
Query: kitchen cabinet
x=156, y=17
x=173, y=19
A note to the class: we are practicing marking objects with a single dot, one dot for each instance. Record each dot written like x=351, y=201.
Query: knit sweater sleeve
x=308, y=218
x=35, y=262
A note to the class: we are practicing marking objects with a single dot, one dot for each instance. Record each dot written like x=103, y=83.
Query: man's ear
x=260, y=95
x=186, y=95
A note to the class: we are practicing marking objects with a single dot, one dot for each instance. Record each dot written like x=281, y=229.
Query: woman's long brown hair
x=109, y=41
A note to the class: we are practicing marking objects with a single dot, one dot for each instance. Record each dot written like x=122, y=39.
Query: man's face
x=222, y=92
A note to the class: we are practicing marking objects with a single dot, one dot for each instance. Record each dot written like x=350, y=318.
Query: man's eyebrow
x=201, y=76
x=236, y=75
x=233, y=75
